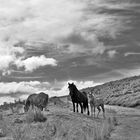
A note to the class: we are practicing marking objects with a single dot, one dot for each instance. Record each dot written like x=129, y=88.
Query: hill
x=124, y=92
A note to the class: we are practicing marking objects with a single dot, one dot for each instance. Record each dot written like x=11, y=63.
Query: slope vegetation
x=124, y=92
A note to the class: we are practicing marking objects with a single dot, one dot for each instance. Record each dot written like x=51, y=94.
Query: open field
x=62, y=124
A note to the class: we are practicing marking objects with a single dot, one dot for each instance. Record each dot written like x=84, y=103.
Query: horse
x=39, y=100
x=78, y=98
x=96, y=102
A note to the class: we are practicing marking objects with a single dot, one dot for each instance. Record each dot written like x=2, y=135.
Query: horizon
x=62, y=95
x=42, y=48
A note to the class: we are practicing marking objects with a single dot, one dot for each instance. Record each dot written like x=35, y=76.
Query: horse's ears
x=68, y=83
x=90, y=93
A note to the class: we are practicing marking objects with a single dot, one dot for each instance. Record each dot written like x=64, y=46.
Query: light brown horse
x=39, y=100
x=96, y=102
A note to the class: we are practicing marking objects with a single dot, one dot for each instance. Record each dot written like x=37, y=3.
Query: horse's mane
x=75, y=88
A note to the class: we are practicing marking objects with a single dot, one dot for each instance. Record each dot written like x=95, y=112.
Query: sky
x=44, y=44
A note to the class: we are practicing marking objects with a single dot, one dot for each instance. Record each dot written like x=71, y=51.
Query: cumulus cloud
x=15, y=87
x=35, y=62
x=22, y=89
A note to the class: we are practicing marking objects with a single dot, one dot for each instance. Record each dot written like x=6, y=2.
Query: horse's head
x=90, y=95
x=72, y=88
x=26, y=108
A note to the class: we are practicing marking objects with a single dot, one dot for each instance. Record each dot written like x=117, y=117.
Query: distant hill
x=124, y=92
x=61, y=101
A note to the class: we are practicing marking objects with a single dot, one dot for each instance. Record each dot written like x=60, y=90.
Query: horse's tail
x=85, y=105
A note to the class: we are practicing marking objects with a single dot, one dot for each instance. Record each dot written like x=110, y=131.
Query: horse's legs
x=103, y=109
x=91, y=107
x=81, y=107
x=98, y=107
x=94, y=111
x=87, y=109
x=73, y=107
x=77, y=106
x=41, y=108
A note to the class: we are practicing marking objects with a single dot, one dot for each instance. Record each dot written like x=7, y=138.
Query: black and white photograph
x=69, y=69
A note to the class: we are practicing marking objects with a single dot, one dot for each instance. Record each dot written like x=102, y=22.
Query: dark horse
x=78, y=98
x=39, y=100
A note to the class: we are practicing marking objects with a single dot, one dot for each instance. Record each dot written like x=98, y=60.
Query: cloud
x=40, y=19
x=6, y=99
x=112, y=53
x=15, y=90
x=63, y=87
x=44, y=20
x=33, y=21
x=131, y=53
x=117, y=5
x=8, y=54
x=35, y=62
x=69, y=31
x=24, y=88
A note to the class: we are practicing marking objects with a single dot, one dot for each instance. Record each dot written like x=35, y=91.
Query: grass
x=103, y=132
x=4, y=130
x=35, y=116
x=1, y=116
x=58, y=130
x=19, y=133
x=60, y=125
x=124, y=92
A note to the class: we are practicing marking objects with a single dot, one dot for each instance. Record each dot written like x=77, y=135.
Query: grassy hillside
x=124, y=92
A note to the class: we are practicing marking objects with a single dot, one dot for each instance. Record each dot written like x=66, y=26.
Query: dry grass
x=35, y=116
x=19, y=133
x=1, y=116
x=124, y=92
x=4, y=128
x=103, y=132
x=59, y=130
x=60, y=125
